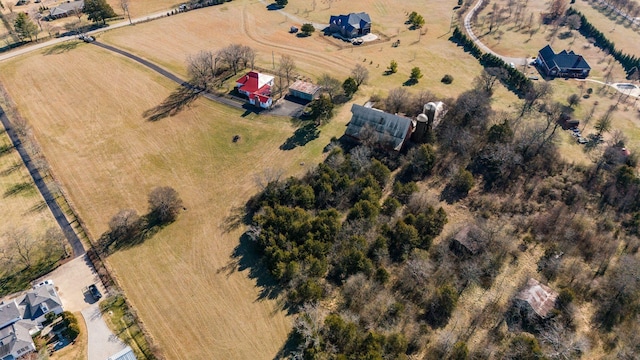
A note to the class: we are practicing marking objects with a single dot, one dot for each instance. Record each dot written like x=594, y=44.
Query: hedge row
x=587, y=29
x=516, y=81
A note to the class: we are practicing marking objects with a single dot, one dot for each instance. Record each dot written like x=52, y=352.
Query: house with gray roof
x=15, y=333
x=386, y=130
x=40, y=301
x=65, y=9
x=562, y=64
x=350, y=25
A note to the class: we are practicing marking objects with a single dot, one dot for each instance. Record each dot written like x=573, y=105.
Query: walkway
x=58, y=214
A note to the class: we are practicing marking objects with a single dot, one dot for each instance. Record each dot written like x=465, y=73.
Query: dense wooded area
x=357, y=245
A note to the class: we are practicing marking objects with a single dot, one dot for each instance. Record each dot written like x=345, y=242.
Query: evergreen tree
x=98, y=10
x=25, y=28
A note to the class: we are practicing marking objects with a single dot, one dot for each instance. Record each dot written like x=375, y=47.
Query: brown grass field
x=184, y=282
x=621, y=33
x=108, y=158
x=23, y=209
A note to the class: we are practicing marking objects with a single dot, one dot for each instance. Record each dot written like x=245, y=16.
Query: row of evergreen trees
x=628, y=62
x=516, y=81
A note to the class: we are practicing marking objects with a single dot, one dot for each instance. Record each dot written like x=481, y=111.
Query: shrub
x=462, y=182
x=447, y=79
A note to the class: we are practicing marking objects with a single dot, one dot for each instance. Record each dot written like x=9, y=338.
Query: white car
x=46, y=282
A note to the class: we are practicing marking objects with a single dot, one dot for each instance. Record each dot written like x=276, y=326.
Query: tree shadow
x=410, y=82
x=301, y=137
x=173, y=104
x=450, y=195
x=62, y=48
x=292, y=344
x=146, y=228
x=274, y=6
x=37, y=208
x=246, y=256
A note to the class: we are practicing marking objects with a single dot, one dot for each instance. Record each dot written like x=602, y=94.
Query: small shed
x=538, y=297
x=467, y=241
x=293, y=30
x=304, y=90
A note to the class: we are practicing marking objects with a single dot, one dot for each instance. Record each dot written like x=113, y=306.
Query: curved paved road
x=467, y=26
x=58, y=214
x=168, y=75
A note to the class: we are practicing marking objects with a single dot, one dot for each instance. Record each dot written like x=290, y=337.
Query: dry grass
x=620, y=32
x=108, y=157
x=24, y=209
x=170, y=40
x=146, y=7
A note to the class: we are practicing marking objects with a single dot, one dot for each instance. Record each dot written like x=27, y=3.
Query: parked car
x=95, y=293
x=582, y=140
x=46, y=282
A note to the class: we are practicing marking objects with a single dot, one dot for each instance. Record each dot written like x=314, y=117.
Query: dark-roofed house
x=304, y=90
x=467, y=241
x=15, y=338
x=66, y=9
x=351, y=25
x=562, y=64
x=538, y=298
x=257, y=87
x=387, y=130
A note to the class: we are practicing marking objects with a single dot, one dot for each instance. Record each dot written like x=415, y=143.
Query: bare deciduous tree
x=489, y=77
x=124, y=225
x=55, y=240
x=236, y=55
x=164, y=204
x=124, y=5
x=360, y=74
x=397, y=100
x=21, y=244
x=286, y=67
x=330, y=85
x=201, y=69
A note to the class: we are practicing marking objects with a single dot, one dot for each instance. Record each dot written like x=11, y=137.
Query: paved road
x=102, y=342
x=26, y=49
x=169, y=75
x=58, y=214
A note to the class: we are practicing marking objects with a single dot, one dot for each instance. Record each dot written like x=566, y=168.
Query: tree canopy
x=98, y=10
x=25, y=28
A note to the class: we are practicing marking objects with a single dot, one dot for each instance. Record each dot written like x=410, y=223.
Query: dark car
x=93, y=290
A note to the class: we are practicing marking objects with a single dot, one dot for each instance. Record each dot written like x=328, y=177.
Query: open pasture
x=169, y=41
x=184, y=281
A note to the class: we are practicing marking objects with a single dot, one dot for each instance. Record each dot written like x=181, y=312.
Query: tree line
x=628, y=62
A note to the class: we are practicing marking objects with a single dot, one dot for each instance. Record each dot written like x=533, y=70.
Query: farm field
x=169, y=41
x=187, y=290
x=614, y=28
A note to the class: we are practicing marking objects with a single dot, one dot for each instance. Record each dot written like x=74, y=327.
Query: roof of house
x=467, y=237
x=125, y=354
x=388, y=127
x=253, y=81
x=32, y=301
x=540, y=297
x=66, y=7
x=9, y=313
x=263, y=94
x=305, y=87
x=352, y=20
x=563, y=59
x=15, y=339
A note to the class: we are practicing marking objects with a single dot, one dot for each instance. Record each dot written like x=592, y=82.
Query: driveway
x=287, y=107
x=71, y=281
x=102, y=342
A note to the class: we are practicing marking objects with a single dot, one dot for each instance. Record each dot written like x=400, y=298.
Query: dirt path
x=58, y=214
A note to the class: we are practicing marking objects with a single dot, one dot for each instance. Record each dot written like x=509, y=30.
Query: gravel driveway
x=102, y=342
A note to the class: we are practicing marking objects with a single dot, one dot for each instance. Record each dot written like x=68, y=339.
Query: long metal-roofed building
x=388, y=130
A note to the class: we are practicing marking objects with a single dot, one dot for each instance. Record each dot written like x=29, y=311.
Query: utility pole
x=273, y=59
